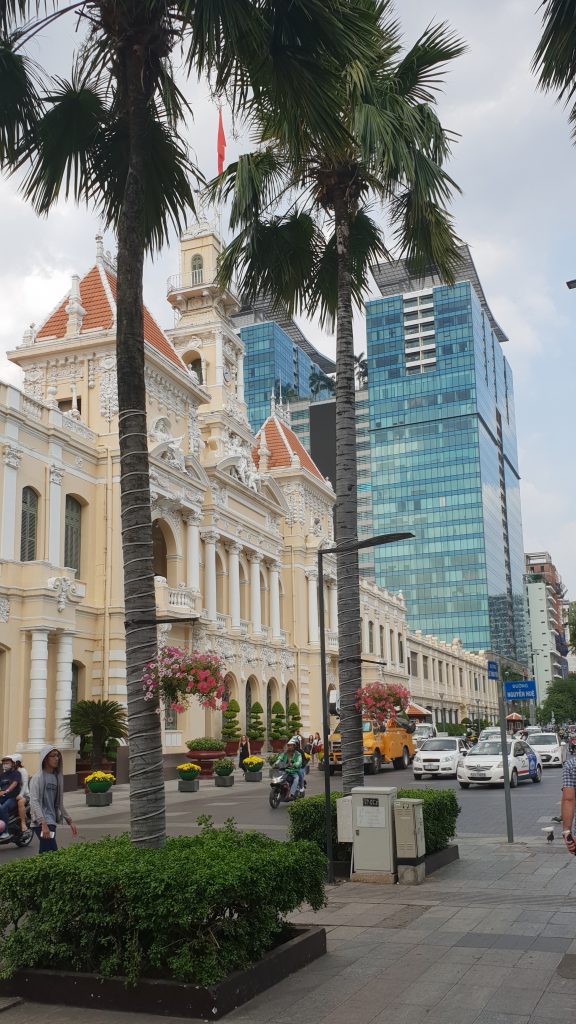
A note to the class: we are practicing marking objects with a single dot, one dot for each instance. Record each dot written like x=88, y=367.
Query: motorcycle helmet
x=294, y=742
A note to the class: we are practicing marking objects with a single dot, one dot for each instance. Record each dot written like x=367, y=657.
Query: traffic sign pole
x=493, y=674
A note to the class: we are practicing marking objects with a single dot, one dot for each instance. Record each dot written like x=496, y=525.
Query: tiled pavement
x=480, y=942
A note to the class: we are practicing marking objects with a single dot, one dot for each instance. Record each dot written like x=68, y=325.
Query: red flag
x=221, y=143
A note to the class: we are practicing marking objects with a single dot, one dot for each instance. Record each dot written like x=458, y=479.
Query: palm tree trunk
x=346, y=522
x=147, y=800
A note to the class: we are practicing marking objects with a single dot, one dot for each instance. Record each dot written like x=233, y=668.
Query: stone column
x=55, y=514
x=255, y=603
x=63, y=688
x=396, y=644
x=219, y=359
x=365, y=643
x=388, y=646
x=12, y=458
x=240, y=384
x=274, y=571
x=234, y=583
x=333, y=605
x=313, y=625
x=38, y=689
x=210, y=537
x=193, y=551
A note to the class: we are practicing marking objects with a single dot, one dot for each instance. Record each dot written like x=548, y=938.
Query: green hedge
x=194, y=911
x=440, y=810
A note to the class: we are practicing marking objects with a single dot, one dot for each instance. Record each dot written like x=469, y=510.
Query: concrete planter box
x=171, y=998
x=98, y=799
x=253, y=776
x=223, y=781
x=188, y=785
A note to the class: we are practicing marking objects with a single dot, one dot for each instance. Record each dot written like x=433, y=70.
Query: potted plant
x=256, y=730
x=98, y=789
x=277, y=730
x=188, y=774
x=382, y=701
x=204, y=751
x=231, y=727
x=98, y=723
x=253, y=769
x=223, y=772
x=294, y=726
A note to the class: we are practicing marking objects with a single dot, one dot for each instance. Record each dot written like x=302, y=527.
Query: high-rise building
x=545, y=593
x=444, y=458
x=278, y=360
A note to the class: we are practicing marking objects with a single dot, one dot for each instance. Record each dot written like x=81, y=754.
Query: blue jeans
x=294, y=784
x=302, y=776
x=7, y=805
x=46, y=845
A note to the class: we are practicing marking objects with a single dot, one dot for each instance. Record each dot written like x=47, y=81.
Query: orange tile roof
x=282, y=442
x=101, y=315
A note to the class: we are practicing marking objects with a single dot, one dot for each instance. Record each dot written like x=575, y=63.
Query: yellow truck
x=381, y=745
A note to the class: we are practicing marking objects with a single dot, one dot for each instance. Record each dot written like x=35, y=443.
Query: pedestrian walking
x=47, y=800
x=316, y=746
x=243, y=752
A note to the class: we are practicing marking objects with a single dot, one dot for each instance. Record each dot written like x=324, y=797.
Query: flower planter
x=97, y=798
x=253, y=776
x=256, y=746
x=278, y=746
x=98, y=787
x=232, y=748
x=188, y=785
x=188, y=776
x=206, y=758
x=223, y=781
x=171, y=998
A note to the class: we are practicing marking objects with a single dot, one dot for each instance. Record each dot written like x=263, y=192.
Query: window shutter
x=72, y=521
x=29, y=525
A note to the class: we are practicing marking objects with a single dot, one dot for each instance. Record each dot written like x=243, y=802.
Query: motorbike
x=12, y=833
x=280, y=789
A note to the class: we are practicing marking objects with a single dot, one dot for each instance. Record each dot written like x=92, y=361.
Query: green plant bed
x=194, y=911
x=440, y=811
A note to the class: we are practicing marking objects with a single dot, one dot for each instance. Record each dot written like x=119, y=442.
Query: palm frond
x=554, y=61
x=252, y=182
x=419, y=74
x=20, y=104
x=425, y=235
x=366, y=247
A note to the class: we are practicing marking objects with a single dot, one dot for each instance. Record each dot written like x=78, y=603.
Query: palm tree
x=555, y=59
x=306, y=239
x=361, y=370
x=318, y=382
x=110, y=138
x=102, y=720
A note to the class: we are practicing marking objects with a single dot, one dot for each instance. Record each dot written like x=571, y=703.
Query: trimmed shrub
x=452, y=729
x=308, y=821
x=194, y=911
x=278, y=729
x=231, y=727
x=294, y=724
x=256, y=730
x=440, y=811
x=204, y=743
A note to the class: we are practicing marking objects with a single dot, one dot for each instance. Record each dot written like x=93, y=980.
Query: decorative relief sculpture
x=66, y=589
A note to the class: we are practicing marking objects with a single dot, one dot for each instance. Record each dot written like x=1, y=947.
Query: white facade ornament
x=65, y=588
x=195, y=441
x=29, y=336
x=163, y=630
x=296, y=502
x=12, y=456
x=56, y=475
x=108, y=388
x=4, y=609
x=34, y=381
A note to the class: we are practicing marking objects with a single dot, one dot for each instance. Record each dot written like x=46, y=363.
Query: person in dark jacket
x=10, y=785
x=47, y=800
x=243, y=751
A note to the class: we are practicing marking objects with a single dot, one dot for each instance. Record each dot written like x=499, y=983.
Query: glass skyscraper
x=444, y=459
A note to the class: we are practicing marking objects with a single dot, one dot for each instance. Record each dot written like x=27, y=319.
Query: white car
x=490, y=734
x=439, y=756
x=547, y=744
x=423, y=731
x=483, y=765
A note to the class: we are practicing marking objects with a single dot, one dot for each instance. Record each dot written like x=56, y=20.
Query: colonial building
x=237, y=520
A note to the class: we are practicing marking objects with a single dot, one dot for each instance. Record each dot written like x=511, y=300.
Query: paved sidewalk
x=490, y=939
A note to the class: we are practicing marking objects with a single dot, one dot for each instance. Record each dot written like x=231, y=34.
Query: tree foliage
x=559, y=704
x=102, y=720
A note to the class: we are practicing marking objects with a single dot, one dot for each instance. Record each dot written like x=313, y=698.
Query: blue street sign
x=523, y=689
x=492, y=670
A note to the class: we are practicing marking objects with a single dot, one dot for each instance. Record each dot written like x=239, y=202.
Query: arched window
x=29, y=527
x=197, y=268
x=160, y=554
x=72, y=533
x=370, y=637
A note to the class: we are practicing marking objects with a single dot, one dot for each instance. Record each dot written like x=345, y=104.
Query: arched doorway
x=290, y=694
x=250, y=697
x=272, y=695
x=160, y=551
x=230, y=691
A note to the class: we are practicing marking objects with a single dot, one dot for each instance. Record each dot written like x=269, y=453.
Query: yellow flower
x=189, y=767
x=100, y=777
x=253, y=762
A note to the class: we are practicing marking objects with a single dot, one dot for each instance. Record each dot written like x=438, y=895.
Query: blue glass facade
x=272, y=361
x=444, y=465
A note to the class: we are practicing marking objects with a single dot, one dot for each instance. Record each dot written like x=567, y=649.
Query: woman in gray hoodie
x=47, y=800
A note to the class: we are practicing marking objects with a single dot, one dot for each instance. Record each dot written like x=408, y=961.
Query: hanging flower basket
x=177, y=677
x=382, y=701
x=99, y=782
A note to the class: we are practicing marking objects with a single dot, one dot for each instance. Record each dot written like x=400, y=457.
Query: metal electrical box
x=409, y=821
x=344, y=820
x=373, y=826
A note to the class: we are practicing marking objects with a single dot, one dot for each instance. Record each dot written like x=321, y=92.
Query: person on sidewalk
x=10, y=784
x=568, y=804
x=47, y=800
x=243, y=752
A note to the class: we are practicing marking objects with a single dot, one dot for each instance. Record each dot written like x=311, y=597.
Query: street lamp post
x=371, y=542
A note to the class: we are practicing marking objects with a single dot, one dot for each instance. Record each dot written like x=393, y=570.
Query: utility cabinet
x=373, y=827
x=409, y=821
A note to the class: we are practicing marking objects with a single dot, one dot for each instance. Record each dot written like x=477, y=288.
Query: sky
x=516, y=166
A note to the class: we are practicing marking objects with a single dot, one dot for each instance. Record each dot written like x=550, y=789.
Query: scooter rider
x=10, y=783
x=291, y=761
x=297, y=741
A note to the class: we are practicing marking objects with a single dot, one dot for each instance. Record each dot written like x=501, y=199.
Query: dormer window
x=197, y=269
